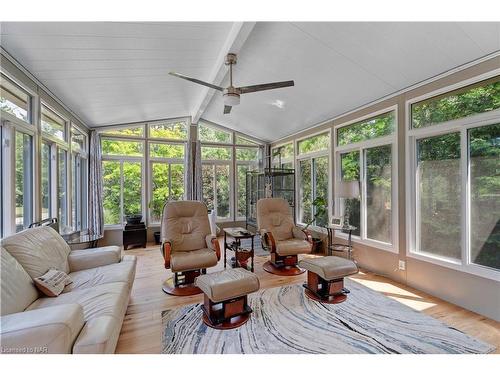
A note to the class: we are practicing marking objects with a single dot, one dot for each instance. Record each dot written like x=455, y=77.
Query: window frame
x=33, y=98
x=361, y=146
x=185, y=120
x=290, y=159
x=310, y=155
x=462, y=126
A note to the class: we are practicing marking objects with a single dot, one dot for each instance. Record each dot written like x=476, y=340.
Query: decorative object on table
x=337, y=220
x=241, y=254
x=347, y=190
x=282, y=185
x=284, y=322
x=325, y=278
x=135, y=232
x=188, y=247
x=344, y=248
x=225, y=302
x=281, y=236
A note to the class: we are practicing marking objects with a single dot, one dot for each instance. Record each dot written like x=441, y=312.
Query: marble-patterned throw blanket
x=285, y=321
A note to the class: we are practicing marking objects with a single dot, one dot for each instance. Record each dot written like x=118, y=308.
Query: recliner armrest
x=268, y=239
x=166, y=251
x=92, y=258
x=213, y=244
x=47, y=330
x=301, y=234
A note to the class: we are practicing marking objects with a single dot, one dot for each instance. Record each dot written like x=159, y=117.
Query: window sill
x=367, y=242
x=477, y=270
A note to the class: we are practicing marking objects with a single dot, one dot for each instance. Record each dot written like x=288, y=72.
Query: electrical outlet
x=402, y=265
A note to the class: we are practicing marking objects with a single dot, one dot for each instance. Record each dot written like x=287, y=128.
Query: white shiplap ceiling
x=110, y=73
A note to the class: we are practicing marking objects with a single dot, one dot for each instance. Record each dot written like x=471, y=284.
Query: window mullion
x=465, y=196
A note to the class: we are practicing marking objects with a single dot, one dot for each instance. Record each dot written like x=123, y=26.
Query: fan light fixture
x=231, y=99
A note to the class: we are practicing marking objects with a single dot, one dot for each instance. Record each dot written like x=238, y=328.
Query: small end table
x=340, y=247
x=89, y=239
x=241, y=255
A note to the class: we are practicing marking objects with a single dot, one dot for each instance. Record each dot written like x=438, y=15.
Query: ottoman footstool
x=325, y=278
x=225, y=302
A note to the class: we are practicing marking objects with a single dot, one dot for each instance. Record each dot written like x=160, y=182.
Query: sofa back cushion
x=18, y=289
x=185, y=224
x=38, y=250
x=275, y=216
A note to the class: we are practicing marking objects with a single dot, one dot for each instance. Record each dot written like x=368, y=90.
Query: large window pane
x=166, y=150
x=46, y=181
x=62, y=188
x=247, y=153
x=207, y=133
x=215, y=153
x=137, y=131
x=119, y=147
x=350, y=171
x=282, y=152
x=316, y=143
x=378, y=193
x=478, y=98
x=53, y=124
x=77, y=141
x=484, y=154
x=24, y=180
x=14, y=100
x=321, y=187
x=77, y=193
x=374, y=127
x=132, y=188
x=167, y=184
x=244, y=141
x=305, y=191
x=241, y=189
x=222, y=184
x=169, y=130
x=208, y=178
x=111, y=192
x=439, y=195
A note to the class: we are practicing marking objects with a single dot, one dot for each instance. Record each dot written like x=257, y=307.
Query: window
x=122, y=190
x=137, y=131
x=478, y=98
x=371, y=128
x=62, y=188
x=216, y=189
x=14, y=100
x=53, y=124
x=365, y=154
x=212, y=134
x=244, y=141
x=316, y=143
x=78, y=139
x=215, y=153
x=313, y=175
x=247, y=159
x=453, y=209
x=121, y=147
x=169, y=130
x=23, y=180
x=282, y=155
x=167, y=176
x=46, y=172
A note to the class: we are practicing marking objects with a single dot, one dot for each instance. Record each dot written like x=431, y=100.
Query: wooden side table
x=340, y=247
x=241, y=255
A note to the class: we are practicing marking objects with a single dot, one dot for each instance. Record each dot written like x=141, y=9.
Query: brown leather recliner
x=187, y=245
x=281, y=236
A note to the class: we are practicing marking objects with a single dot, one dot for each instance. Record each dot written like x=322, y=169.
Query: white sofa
x=88, y=315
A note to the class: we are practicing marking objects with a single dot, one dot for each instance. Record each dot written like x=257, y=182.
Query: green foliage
x=168, y=184
x=320, y=205
x=374, y=127
x=243, y=141
x=166, y=150
x=466, y=102
x=215, y=153
x=122, y=147
x=216, y=188
x=350, y=171
x=282, y=152
x=207, y=133
x=137, y=131
x=312, y=211
x=174, y=130
x=248, y=154
x=316, y=143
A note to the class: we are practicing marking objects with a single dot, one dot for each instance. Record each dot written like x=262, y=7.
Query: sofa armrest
x=213, y=244
x=92, y=258
x=47, y=330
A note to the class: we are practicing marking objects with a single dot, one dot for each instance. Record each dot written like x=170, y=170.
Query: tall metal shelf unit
x=282, y=185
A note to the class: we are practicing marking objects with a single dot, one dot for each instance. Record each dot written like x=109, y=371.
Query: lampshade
x=347, y=189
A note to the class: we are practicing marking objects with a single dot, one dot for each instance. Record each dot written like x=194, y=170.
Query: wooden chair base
x=331, y=299
x=234, y=322
x=325, y=291
x=292, y=270
x=180, y=290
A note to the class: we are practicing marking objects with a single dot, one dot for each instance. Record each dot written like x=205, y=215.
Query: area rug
x=285, y=321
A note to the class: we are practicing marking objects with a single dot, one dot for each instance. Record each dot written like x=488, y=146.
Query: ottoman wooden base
x=326, y=291
x=228, y=314
x=292, y=270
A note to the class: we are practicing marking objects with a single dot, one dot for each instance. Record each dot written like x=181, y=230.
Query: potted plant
x=320, y=207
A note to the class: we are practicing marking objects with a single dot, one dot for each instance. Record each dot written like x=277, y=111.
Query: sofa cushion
x=99, y=335
x=38, y=250
x=192, y=260
x=18, y=289
x=294, y=246
x=117, y=272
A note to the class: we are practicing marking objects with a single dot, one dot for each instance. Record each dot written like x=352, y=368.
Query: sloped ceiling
x=110, y=73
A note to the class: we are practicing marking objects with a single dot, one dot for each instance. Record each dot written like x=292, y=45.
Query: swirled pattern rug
x=285, y=321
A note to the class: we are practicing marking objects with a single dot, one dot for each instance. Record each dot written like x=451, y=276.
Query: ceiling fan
x=232, y=94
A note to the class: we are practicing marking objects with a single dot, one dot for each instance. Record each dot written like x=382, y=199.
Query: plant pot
x=157, y=237
x=133, y=219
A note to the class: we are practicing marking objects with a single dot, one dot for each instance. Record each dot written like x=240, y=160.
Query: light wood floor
x=141, y=330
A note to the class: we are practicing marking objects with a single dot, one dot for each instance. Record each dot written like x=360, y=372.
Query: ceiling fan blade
x=196, y=81
x=227, y=109
x=265, y=86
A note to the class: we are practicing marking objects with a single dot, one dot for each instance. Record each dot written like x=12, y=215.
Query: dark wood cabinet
x=134, y=235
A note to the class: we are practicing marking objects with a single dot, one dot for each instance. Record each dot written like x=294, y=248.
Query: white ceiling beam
x=237, y=36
